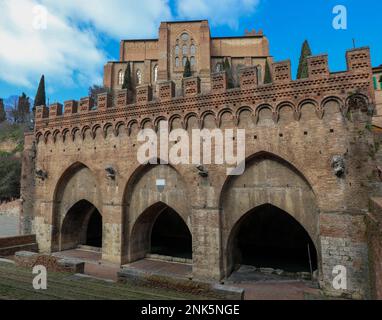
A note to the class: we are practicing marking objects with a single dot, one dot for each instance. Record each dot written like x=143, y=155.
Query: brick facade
x=294, y=129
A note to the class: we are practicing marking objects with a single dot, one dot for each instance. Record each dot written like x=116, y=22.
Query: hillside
x=11, y=146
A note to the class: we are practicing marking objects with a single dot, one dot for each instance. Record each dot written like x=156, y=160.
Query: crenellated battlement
x=317, y=88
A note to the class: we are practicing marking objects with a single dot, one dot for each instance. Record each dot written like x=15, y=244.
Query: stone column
x=43, y=226
x=112, y=233
x=206, y=244
x=344, y=245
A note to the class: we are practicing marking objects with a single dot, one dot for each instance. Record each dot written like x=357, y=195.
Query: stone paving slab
x=163, y=267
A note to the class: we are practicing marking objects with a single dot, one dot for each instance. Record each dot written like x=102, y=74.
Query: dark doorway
x=94, y=231
x=170, y=235
x=268, y=237
x=82, y=226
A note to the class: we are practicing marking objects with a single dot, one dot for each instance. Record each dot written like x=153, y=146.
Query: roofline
x=212, y=38
x=140, y=40
x=238, y=37
x=185, y=21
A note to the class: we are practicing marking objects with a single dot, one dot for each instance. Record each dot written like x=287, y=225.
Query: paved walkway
x=258, y=288
x=163, y=267
x=94, y=266
x=9, y=226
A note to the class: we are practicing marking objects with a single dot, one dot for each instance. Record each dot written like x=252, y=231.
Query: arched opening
x=82, y=225
x=160, y=230
x=268, y=237
x=170, y=236
x=94, y=231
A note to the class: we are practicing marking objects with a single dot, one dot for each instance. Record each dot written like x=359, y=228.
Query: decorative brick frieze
x=55, y=110
x=219, y=82
x=104, y=101
x=42, y=112
x=144, y=94
x=318, y=66
x=86, y=104
x=319, y=85
x=191, y=86
x=248, y=78
x=122, y=98
x=358, y=60
x=281, y=71
x=71, y=107
x=166, y=90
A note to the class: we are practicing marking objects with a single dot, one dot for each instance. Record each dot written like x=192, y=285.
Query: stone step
x=168, y=258
x=89, y=248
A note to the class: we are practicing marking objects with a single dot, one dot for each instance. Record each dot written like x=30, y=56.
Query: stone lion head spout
x=338, y=165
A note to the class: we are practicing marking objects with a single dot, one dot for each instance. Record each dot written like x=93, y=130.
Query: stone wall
x=10, y=213
x=11, y=209
x=298, y=127
x=374, y=232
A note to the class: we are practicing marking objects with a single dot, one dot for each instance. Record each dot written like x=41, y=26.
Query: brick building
x=302, y=203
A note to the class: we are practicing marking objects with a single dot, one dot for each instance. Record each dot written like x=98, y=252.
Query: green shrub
x=10, y=175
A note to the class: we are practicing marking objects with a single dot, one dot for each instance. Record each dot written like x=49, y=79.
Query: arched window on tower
x=193, y=49
x=184, y=61
x=139, y=77
x=185, y=50
x=121, y=77
x=193, y=61
x=259, y=74
x=177, y=62
x=156, y=69
x=176, y=49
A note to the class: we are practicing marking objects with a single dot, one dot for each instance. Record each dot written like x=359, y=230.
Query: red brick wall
x=16, y=241
x=375, y=249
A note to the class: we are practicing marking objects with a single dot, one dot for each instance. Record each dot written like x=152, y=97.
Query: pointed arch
x=266, y=172
x=145, y=236
x=68, y=191
x=145, y=177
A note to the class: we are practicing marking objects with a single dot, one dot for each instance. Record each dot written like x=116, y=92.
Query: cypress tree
x=127, y=84
x=303, y=64
x=187, y=69
x=40, y=99
x=3, y=115
x=228, y=70
x=268, y=75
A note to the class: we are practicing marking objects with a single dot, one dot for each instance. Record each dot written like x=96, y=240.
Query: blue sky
x=80, y=39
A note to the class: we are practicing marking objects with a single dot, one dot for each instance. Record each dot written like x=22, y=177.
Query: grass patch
x=16, y=283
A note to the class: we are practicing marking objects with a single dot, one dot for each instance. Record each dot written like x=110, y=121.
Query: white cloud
x=117, y=18
x=69, y=50
x=219, y=12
